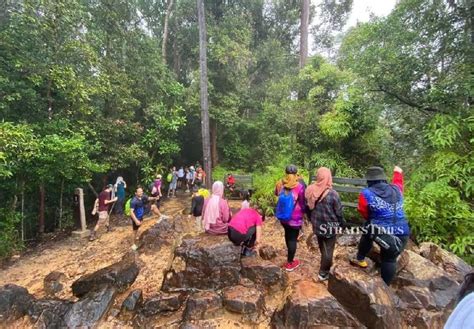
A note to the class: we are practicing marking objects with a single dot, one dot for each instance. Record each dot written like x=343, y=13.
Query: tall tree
x=165, y=30
x=206, y=146
x=304, y=32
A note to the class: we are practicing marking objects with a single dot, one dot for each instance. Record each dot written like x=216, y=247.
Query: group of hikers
x=381, y=204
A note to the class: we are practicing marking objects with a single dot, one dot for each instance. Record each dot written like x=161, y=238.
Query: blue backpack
x=285, y=205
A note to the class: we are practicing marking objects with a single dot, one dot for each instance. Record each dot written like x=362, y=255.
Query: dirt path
x=75, y=257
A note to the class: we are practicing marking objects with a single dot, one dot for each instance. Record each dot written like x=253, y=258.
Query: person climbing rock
x=245, y=230
x=137, y=211
x=290, y=210
x=325, y=208
x=103, y=209
x=381, y=204
x=197, y=203
x=216, y=212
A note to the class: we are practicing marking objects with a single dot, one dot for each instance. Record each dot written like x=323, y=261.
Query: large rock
x=264, y=272
x=204, y=262
x=243, y=300
x=203, y=305
x=14, y=302
x=368, y=298
x=54, y=282
x=90, y=309
x=119, y=275
x=310, y=305
x=420, y=272
x=159, y=235
x=402, y=260
x=449, y=262
x=163, y=303
x=133, y=300
x=49, y=313
x=268, y=252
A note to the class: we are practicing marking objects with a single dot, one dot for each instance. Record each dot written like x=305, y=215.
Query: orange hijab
x=320, y=187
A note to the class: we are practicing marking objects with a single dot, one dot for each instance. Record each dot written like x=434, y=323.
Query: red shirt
x=104, y=196
x=245, y=219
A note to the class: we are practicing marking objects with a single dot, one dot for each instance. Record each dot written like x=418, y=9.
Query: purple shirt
x=297, y=214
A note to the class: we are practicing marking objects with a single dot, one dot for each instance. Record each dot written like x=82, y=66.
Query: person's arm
x=301, y=200
x=363, y=206
x=397, y=179
x=111, y=200
x=226, y=215
x=124, y=184
x=193, y=205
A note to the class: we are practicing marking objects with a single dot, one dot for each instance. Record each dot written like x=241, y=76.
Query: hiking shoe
x=134, y=247
x=247, y=252
x=323, y=277
x=360, y=263
x=92, y=237
x=289, y=267
x=109, y=229
x=300, y=236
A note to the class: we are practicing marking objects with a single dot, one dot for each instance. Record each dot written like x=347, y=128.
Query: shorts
x=157, y=202
x=172, y=186
x=135, y=226
x=103, y=218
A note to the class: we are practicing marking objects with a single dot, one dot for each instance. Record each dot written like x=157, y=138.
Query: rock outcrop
x=54, y=282
x=14, y=302
x=119, y=275
x=264, y=273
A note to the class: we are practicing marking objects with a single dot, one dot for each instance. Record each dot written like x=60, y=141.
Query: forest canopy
x=92, y=89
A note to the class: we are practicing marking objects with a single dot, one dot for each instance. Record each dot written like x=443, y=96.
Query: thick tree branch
x=407, y=101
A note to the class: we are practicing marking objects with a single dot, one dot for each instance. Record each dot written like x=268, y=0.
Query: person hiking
x=190, y=177
x=199, y=177
x=187, y=179
x=230, y=184
x=119, y=187
x=174, y=183
x=245, y=230
x=290, y=209
x=381, y=204
x=325, y=208
x=197, y=203
x=181, y=177
x=156, y=193
x=104, y=201
x=216, y=212
x=137, y=211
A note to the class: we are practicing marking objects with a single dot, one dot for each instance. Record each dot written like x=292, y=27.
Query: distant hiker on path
x=290, y=210
x=119, y=187
x=173, y=183
x=216, y=212
x=137, y=211
x=245, y=230
x=381, y=204
x=326, y=216
x=156, y=193
x=103, y=209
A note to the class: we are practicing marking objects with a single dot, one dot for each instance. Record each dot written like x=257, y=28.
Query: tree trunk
x=304, y=32
x=165, y=30
x=50, y=99
x=22, y=210
x=214, y=154
x=61, y=203
x=206, y=147
x=41, y=208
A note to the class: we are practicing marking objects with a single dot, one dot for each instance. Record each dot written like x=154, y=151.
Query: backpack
x=285, y=205
x=169, y=178
x=128, y=211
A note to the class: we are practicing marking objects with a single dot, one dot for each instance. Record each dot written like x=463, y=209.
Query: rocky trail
x=181, y=278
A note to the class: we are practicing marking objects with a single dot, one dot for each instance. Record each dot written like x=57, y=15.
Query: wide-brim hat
x=375, y=173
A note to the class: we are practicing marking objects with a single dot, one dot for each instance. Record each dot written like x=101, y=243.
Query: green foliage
x=10, y=241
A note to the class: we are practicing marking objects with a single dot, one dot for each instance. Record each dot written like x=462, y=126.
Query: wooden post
x=82, y=232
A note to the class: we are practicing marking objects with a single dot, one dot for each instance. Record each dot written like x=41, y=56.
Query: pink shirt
x=245, y=219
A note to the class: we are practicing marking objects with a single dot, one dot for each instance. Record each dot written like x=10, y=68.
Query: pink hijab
x=212, y=210
x=316, y=189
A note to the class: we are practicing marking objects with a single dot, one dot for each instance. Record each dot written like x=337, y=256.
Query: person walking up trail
x=290, y=210
x=174, y=183
x=325, y=208
x=216, y=212
x=381, y=204
x=156, y=193
x=119, y=187
x=137, y=211
x=104, y=201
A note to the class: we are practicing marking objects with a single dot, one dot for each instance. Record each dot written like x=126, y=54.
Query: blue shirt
x=138, y=206
x=121, y=190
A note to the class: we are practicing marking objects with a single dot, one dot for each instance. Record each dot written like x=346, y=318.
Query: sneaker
x=92, y=237
x=300, y=236
x=360, y=263
x=247, y=252
x=289, y=267
x=134, y=247
x=323, y=277
x=109, y=229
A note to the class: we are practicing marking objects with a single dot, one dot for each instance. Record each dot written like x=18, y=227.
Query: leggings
x=239, y=239
x=291, y=238
x=388, y=266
